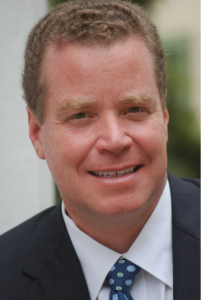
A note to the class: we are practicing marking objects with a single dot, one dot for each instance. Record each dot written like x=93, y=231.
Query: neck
x=118, y=236
x=115, y=232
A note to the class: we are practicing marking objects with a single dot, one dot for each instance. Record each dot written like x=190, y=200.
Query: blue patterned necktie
x=120, y=278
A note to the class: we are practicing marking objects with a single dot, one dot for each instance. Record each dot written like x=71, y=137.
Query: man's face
x=104, y=135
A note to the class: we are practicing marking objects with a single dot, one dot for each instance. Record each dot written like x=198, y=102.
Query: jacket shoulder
x=185, y=194
x=189, y=185
x=24, y=227
x=194, y=181
x=15, y=246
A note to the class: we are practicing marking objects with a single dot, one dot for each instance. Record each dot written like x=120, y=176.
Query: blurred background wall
x=25, y=182
x=178, y=23
x=26, y=186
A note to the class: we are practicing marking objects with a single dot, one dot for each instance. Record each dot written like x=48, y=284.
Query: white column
x=26, y=185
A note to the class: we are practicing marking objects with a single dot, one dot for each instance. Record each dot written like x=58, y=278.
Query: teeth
x=115, y=173
x=128, y=170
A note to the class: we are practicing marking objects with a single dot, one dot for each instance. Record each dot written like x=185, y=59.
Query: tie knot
x=122, y=275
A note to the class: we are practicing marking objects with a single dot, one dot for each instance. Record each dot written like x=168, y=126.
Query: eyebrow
x=139, y=99
x=129, y=99
x=75, y=103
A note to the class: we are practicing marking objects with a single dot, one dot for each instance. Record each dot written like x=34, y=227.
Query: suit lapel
x=185, y=222
x=52, y=270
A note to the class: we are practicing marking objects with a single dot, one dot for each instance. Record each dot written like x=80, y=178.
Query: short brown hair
x=87, y=22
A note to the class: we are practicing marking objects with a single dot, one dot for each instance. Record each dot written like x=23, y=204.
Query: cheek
x=151, y=137
x=158, y=151
x=70, y=149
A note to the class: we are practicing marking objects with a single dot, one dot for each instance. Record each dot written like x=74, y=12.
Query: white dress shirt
x=152, y=251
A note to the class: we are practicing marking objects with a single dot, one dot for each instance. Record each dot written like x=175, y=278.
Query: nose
x=112, y=136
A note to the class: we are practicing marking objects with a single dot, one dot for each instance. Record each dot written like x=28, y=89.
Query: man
x=94, y=83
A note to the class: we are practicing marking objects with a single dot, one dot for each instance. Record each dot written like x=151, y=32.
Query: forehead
x=121, y=67
x=98, y=54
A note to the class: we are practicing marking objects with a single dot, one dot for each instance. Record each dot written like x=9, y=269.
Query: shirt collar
x=96, y=260
x=152, y=250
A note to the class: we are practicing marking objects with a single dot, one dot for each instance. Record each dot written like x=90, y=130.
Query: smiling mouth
x=115, y=173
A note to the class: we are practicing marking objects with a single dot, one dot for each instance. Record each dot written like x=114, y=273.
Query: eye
x=136, y=112
x=80, y=115
x=134, y=109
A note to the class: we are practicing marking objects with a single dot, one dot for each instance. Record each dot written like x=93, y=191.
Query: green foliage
x=57, y=195
x=53, y=3
x=143, y=3
x=183, y=145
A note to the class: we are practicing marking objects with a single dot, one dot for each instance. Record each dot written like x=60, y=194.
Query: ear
x=35, y=133
x=166, y=121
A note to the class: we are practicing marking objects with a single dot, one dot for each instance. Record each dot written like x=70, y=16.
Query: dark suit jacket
x=38, y=261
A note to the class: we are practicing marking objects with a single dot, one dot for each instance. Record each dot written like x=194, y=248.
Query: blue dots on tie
x=128, y=282
x=115, y=297
x=113, y=268
x=121, y=261
x=120, y=279
x=131, y=268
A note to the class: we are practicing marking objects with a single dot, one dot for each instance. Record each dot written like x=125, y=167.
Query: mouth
x=111, y=174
